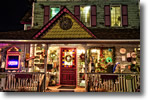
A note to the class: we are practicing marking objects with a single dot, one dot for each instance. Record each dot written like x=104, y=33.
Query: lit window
x=85, y=15
x=53, y=12
x=115, y=16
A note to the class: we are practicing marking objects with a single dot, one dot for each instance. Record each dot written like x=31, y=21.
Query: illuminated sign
x=13, y=63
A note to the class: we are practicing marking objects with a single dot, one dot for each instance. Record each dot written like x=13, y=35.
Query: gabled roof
x=52, y=29
x=27, y=18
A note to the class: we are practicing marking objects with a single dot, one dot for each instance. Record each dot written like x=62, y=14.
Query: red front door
x=68, y=66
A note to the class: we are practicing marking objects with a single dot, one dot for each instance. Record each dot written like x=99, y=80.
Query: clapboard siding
x=133, y=10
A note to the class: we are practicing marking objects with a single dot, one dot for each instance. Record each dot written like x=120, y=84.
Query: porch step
x=67, y=87
x=66, y=90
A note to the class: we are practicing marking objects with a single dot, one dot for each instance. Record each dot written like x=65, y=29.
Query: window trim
x=120, y=14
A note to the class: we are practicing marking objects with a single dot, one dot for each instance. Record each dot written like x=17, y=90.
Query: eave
x=77, y=41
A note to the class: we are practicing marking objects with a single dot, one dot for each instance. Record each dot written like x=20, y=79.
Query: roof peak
x=55, y=18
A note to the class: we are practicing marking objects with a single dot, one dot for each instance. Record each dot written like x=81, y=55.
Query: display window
x=39, y=53
x=99, y=58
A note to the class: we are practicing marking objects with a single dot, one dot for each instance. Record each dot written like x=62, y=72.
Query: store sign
x=13, y=63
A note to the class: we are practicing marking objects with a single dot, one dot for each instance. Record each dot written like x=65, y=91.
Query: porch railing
x=97, y=82
x=22, y=82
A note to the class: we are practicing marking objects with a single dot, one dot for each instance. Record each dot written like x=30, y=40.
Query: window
x=115, y=16
x=101, y=57
x=85, y=15
x=53, y=12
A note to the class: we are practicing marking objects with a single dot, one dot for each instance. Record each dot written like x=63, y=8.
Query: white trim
x=84, y=41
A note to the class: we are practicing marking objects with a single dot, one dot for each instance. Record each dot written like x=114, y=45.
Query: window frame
x=111, y=15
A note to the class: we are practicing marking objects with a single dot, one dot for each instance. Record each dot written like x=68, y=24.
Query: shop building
x=86, y=46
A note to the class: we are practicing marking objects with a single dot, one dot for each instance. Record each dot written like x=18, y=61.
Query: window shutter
x=46, y=14
x=77, y=11
x=124, y=15
x=107, y=15
x=93, y=16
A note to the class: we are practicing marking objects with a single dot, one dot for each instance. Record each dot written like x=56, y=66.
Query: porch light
x=82, y=51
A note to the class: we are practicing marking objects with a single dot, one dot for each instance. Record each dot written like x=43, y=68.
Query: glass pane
x=68, y=58
x=115, y=16
x=53, y=12
x=85, y=15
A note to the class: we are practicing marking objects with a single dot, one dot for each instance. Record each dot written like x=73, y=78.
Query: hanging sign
x=13, y=58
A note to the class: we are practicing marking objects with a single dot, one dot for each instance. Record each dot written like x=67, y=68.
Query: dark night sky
x=11, y=12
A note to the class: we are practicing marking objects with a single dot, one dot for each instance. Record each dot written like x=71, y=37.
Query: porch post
x=86, y=68
x=45, y=65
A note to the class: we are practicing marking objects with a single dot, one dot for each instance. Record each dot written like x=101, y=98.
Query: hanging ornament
x=109, y=49
x=82, y=57
x=109, y=59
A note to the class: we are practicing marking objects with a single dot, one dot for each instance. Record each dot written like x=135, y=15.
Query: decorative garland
x=82, y=57
x=53, y=55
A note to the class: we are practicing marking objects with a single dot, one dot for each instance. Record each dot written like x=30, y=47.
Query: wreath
x=82, y=57
x=53, y=55
x=68, y=58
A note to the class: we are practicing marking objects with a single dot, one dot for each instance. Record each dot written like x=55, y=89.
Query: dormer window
x=116, y=16
x=85, y=15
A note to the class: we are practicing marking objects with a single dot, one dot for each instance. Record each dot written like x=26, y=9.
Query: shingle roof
x=27, y=18
x=25, y=35
x=116, y=33
x=98, y=32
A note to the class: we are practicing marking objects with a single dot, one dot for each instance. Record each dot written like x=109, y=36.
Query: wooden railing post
x=45, y=65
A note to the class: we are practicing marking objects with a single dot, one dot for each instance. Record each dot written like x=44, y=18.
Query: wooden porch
x=95, y=82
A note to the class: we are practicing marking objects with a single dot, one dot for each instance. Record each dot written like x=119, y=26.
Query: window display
x=100, y=58
x=53, y=65
x=39, y=57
